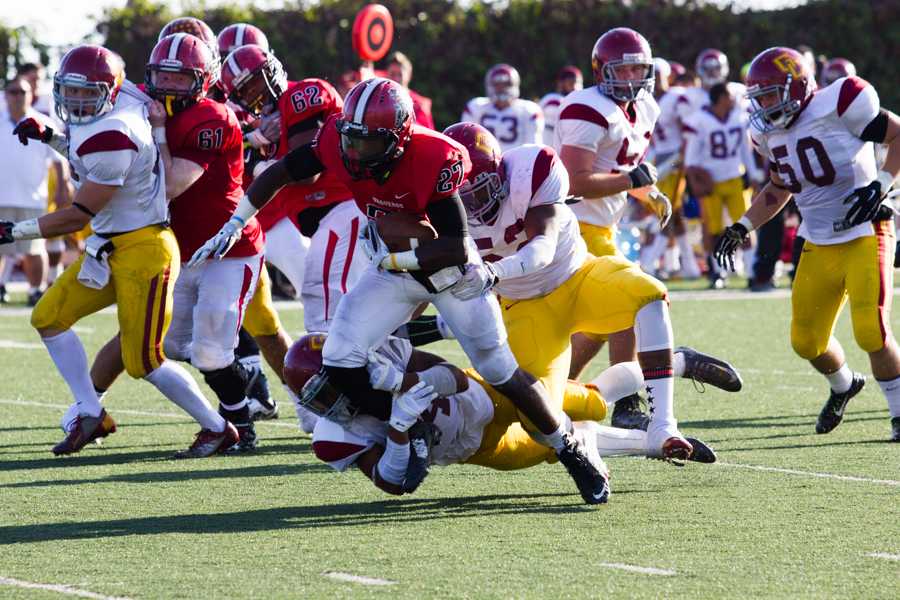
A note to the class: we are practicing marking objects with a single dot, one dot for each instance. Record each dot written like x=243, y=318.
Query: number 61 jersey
x=821, y=158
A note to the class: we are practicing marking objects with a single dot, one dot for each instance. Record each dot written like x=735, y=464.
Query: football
x=701, y=181
x=404, y=231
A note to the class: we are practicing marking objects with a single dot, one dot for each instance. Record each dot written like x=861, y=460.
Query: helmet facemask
x=483, y=197
x=367, y=153
x=174, y=98
x=320, y=398
x=80, y=108
x=626, y=90
x=261, y=88
x=779, y=114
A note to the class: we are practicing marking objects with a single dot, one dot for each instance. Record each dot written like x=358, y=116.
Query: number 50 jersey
x=821, y=158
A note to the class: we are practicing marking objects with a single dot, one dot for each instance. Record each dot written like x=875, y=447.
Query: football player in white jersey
x=513, y=120
x=820, y=148
x=568, y=80
x=132, y=260
x=717, y=155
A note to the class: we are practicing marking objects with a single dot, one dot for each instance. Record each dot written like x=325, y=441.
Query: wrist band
x=159, y=135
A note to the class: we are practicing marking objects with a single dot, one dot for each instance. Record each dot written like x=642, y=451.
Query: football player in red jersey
x=390, y=164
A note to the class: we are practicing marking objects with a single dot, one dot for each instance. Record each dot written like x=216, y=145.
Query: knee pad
x=43, y=316
x=247, y=346
x=210, y=357
x=805, y=345
x=341, y=351
x=495, y=365
x=870, y=336
x=229, y=383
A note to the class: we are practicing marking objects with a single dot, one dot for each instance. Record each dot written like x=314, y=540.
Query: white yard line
x=636, y=569
x=58, y=588
x=350, y=578
x=24, y=311
x=854, y=478
x=123, y=411
x=884, y=555
x=13, y=345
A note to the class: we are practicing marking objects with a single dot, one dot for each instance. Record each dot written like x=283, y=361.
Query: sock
x=660, y=398
x=678, y=364
x=619, y=380
x=53, y=273
x=689, y=265
x=653, y=331
x=6, y=271
x=841, y=380
x=670, y=259
x=556, y=440
x=651, y=254
x=652, y=327
x=177, y=385
x=891, y=390
x=70, y=359
x=612, y=441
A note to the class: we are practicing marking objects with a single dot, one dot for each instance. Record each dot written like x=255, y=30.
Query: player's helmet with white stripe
x=779, y=84
x=305, y=377
x=483, y=191
x=501, y=83
x=198, y=29
x=253, y=78
x=375, y=127
x=616, y=50
x=240, y=34
x=836, y=68
x=179, y=53
x=712, y=67
x=87, y=83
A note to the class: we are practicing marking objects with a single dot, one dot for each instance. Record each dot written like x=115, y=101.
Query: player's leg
x=713, y=226
x=286, y=248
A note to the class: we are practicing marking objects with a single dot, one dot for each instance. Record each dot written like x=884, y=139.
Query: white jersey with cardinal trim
x=460, y=420
x=550, y=104
x=592, y=121
x=821, y=158
x=667, y=135
x=118, y=150
x=720, y=147
x=522, y=122
x=534, y=176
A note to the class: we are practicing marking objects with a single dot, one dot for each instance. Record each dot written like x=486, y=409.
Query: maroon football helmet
x=305, y=377
x=240, y=34
x=501, y=83
x=779, y=84
x=253, y=78
x=569, y=79
x=678, y=70
x=617, y=49
x=92, y=68
x=836, y=68
x=712, y=67
x=179, y=53
x=375, y=126
x=484, y=190
x=198, y=29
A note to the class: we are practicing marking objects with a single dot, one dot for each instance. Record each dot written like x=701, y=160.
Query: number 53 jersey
x=821, y=158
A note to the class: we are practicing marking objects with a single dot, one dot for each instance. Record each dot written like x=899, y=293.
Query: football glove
x=661, y=206
x=6, y=235
x=406, y=407
x=478, y=279
x=373, y=245
x=732, y=237
x=32, y=129
x=642, y=175
x=218, y=245
x=866, y=202
x=382, y=374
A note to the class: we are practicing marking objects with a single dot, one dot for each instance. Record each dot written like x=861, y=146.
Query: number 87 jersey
x=821, y=157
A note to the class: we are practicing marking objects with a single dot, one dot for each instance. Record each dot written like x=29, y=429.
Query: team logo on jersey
x=786, y=64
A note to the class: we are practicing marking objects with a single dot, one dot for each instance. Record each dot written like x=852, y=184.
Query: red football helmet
x=678, y=70
x=375, y=126
x=779, y=84
x=86, y=69
x=240, y=34
x=198, y=29
x=502, y=83
x=712, y=67
x=617, y=49
x=569, y=79
x=484, y=190
x=836, y=68
x=179, y=53
x=253, y=78
x=305, y=377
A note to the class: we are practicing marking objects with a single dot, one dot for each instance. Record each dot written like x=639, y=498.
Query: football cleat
x=590, y=475
x=260, y=401
x=833, y=411
x=895, y=429
x=704, y=368
x=701, y=452
x=210, y=442
x=86, y=430
x=627, y=414
x=247, y=440
x=422, y=437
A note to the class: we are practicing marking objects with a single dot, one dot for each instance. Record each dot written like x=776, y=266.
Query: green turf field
x=786, y=513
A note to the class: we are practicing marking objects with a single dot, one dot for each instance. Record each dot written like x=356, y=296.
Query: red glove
x=31, y=128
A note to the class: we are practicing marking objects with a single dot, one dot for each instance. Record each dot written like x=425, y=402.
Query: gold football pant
x=728, y=195
x=261, y=319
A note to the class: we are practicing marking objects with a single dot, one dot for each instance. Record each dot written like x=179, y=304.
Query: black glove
x=732, y=237
x=866, y=202
x=31, y=128
x=642, y=175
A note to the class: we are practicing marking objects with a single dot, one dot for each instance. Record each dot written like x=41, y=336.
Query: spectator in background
x=42, y=101
x=400, y=69
x=24, y=172
x=568, y=80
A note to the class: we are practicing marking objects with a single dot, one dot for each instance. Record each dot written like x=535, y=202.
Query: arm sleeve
x=533, y=256
x=858, y=104
x=302, y=162
x=448, y=216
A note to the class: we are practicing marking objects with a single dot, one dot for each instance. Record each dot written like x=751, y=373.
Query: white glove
x=661, y=206
x=373, y=245
x=478, y=279
x=382, y=374
x=406, y=408
x=270, y=126
x=218, y=245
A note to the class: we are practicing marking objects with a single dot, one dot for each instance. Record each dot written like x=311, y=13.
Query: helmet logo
x=316, y=342
x=481, y=142
x=786, y=64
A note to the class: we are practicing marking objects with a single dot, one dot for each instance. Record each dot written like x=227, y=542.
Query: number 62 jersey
x=821, y=158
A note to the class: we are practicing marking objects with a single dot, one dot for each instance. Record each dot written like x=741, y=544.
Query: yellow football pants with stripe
x=602, y=297
x=143, y=266
x=261, y=319
x=506, y=446
x=861, y=271
x=728, y=195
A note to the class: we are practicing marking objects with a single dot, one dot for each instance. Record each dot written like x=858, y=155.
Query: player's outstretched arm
x=584, y=181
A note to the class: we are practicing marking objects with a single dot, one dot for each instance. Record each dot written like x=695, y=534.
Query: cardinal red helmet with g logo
x=375, y=127
x=179, y=53
x=780, y=82
x=198, y=29
x=87, y=67
x=484, y=191
x=240, y=34
x=253, y=78
x=617, y=50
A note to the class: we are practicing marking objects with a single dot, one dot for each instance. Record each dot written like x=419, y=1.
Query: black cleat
x=590, y=477
x=260, y=401
x=627, y=414
x=833, y=411
x=895, y=429
x=33, y=298
x=422, y=437
x=704, y=368
x=717, y=283
x=702, y=453
x=247, y=440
